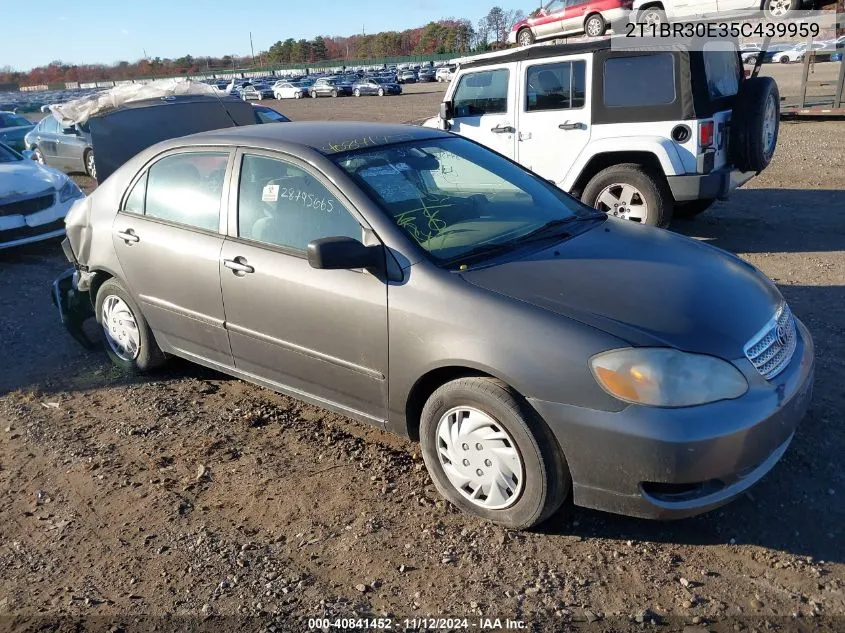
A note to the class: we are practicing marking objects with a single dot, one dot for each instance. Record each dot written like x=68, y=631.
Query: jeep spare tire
x=755, y=124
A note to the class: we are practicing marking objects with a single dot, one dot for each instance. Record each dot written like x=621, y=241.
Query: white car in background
x=288, y=90
x=444, y=73
x=34, y=199
x=663, y=11
x=795, y=54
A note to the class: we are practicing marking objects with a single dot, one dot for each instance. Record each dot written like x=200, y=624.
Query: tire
x=381, y=92
x=595, y=26
x=616, y=182
x=525, y=37
x=334, y=93
x=90, y=165
x=653, y=15
x=784, y=59
x=297, y=95
x=148, y=355
x=357, y=92
x=39, y=157
x=313, y=94
x=752, y=59
x=755, y=124
x=688, y=210
x=543, y=481
x=780, y=9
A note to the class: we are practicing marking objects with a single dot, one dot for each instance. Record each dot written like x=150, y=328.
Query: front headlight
x=69, y=191
x=663, y=377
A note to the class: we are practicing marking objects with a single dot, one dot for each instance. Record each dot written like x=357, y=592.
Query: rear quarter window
x=640, y=81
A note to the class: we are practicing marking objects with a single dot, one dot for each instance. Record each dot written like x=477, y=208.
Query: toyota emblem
x=781, y=336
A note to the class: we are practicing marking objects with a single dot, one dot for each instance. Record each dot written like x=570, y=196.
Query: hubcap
x=525, y=38
x=652, y=17
x=779, y=8
x=623, y=201
x=120, y=328
x=770, y=126
x=92, y=170
x=593, y=28
x=480, y=458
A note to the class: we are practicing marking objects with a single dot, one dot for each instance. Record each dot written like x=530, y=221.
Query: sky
x=100, y=31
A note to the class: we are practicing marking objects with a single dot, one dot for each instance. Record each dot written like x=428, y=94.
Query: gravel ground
x=191, y=500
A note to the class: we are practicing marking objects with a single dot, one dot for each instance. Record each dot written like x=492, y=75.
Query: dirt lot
x=194, y=499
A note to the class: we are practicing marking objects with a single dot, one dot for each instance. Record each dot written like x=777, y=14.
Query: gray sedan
x=68, y=149
x=417, y=281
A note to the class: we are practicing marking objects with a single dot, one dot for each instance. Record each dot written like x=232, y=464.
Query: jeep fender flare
x=661, y=148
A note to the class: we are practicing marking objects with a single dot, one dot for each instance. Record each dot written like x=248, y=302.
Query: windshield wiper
x=549, y=229
x=483, y=251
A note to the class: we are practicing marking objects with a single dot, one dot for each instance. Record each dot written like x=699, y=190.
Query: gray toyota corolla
x=417, y=281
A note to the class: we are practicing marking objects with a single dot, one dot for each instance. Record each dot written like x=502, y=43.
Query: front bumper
x=717, y=184
x=672, y=463
x=16, y=230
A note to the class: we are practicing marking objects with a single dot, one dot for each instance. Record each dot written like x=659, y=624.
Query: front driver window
x=480, y=93
x=283, y=205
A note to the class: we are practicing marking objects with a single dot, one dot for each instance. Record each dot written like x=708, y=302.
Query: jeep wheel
x=755, y=124
x=652, y=17
x=595, y=26
x=630, y=192
x=491, y=455
x=780, y=9
x=525, y=37
x=688, y=210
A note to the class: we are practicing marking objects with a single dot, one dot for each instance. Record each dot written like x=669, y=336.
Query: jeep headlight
x=663, y=377
x=69, y=191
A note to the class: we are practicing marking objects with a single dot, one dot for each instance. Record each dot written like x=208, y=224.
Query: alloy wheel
x=624, y=201
x=480, y=458
x=526, y=38
x=770, y=126
x=90, y=166
x=594, y=27
x=779, y=8
x=120, y=328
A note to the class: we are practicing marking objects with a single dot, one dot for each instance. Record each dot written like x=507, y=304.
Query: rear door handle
x=128, y=236
x=503, y=129
x=238, y=266
x=572, y=126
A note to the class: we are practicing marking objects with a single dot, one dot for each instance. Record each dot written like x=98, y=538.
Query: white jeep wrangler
x=642, y=135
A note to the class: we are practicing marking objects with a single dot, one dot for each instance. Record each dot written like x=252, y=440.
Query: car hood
x=25, y=178
x=15, y=132
x=646, y=286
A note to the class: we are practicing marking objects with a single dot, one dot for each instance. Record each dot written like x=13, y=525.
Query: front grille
x=10, y=235
x=771, y=350
x=30, y=205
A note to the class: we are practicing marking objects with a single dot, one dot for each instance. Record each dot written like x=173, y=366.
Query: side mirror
x=29, y=154
x=446, y=110
x=341, y=253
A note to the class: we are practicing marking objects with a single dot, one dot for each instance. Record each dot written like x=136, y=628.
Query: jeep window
x=559, y=86
x=481, y=93
x=458, y=200
x=641, y=80
x=722, y=67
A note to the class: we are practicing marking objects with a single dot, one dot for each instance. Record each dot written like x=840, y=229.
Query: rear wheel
x=595, y=25
x=129, y=341
x=357, y=92
x=490, y=454
x=334, y=93
x=780, y=9
x=313, y=94
x=90, y=165
x=381, y=92
x=784, y=59
x=630, y=192
x=525, y=37
x=297, y=95
x=653, y=16
x=692, y=208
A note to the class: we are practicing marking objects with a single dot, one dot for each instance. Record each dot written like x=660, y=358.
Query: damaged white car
x=34, y=199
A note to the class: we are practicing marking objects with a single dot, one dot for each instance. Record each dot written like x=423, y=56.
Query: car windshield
x=8, y=155
x=459, y=201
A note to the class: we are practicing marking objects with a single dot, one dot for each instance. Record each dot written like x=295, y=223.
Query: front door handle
x=572, y=126
x=503, y=129
x=128, y=236
x=239, y=266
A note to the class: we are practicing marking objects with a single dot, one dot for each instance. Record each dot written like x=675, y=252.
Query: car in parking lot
x=34, y=199
x=445, y=73
x=330, y=87
x=68, y=149
x=643, y=135
x=417, y=281
x=407, y=76
x=653, y=12
x=426, y=74
x=569, y=17
x=289, y=90
x=13, y=128
x=256, y=91
x=375, y=86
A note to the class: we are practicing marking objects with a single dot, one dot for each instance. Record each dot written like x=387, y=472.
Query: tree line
x=444, y=36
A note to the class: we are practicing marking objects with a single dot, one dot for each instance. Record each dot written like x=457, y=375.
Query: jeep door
x=483, y=107
x=321, y=333
x=167, y=238
x=553, y=124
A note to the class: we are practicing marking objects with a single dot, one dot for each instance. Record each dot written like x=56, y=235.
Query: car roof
x=325, y=137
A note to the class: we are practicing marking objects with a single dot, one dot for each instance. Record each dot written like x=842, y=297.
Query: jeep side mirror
x=446, y=110
x=343, y=253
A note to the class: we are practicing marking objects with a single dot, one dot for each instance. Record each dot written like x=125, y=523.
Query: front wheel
x=595, y=25
x=297, y=95
x=129, y=341
x=90, y=165
x=653, y=17
x=381, y=92
x=525, y=37
x=357, y=92
x=491, y=455
x=313, y=94
x=780, y=9
x=334, y=93
x=630, y=192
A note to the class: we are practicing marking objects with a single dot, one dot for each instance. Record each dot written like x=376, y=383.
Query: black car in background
x=407, y=77
x=330, y=87
x=426, y=73
x=375, y=86
x=68, y=149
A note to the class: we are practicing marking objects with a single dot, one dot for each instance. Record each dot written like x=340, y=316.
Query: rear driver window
x=482, y=93
x=187, y=189
x=642, y=80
